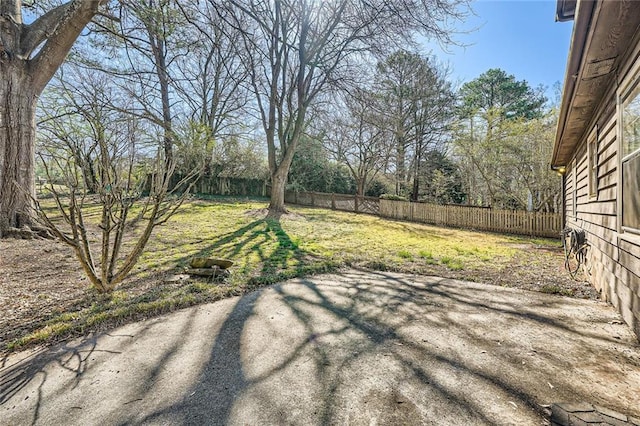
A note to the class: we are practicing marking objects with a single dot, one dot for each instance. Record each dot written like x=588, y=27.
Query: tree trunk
x=400, y=166
x=417, y=159
x=158, y=46
x=416, y=188
x=17, y=146
x=281, y=173
x=360, y=184
x=278, y=186
x=29, y=56
x=90, y=179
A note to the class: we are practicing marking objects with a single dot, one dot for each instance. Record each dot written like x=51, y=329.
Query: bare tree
x=211, y=76
x=433, y=117
x=294, y=49
x=141, y=41
x=526, y=146
x=30, y=54
x=179, y=65
x=122, y=169
x=158, y=21
x=71, y=119
x=209, y=82
x=354, y=137
x=120, y=188
x=416, y=103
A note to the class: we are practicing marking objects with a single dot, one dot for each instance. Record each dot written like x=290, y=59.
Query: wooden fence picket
x=534, y=224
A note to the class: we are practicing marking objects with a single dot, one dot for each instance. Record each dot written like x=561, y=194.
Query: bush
x=378, y=187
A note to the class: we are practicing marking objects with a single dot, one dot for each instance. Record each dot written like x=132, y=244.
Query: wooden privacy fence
x=482, y=219
x=349, y=203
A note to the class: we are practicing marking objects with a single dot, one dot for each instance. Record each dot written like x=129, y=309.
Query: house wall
x=614, y=261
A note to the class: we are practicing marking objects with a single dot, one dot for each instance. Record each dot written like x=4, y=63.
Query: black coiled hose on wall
x=575, y=251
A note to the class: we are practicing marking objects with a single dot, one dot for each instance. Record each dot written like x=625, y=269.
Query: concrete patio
x=356, y=348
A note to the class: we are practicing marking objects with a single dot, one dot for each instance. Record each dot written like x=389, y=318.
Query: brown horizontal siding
x=608, y=222
x=582, y=176
x=614, y=262
x=629, y=254
x=607, y=130
x=607, y=194
x=632, y=249
x=631, y=278
x=608, y=166
x=627, y=260
x=568, y=198
x=608, y=161
x=608, y=179
x=600, y=232
x=607, y=149
x=599, y=207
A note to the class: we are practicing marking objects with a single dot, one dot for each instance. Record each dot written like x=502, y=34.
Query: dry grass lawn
x=46, y=299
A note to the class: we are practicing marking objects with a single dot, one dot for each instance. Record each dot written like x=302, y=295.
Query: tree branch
x=33, y=35
x=12, y=8
x=71, y=20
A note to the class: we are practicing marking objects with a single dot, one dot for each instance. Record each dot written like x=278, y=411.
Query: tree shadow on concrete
x=378, y=336
x=440, y=336
x=405, y=303
x=78, y=357
x=397, y=303
x=16, y=377
x=74, y=357
x=223, y=380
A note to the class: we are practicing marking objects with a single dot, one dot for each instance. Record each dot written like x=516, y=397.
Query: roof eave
x=583, y=12
x=603, y=33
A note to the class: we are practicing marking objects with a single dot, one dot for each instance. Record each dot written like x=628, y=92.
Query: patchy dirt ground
x=37, y=278
x=41, y=278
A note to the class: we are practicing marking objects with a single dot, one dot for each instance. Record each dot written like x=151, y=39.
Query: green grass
x=269, y=250
x=404, y=254
x=455, y=264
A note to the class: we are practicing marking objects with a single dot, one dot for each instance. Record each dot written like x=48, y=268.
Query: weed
x=377, y=266
x=404, y=254
x=452, y=263
x=428, y=258
x=425, y=254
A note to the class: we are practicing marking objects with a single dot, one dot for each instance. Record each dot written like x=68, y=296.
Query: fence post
x=478, y=218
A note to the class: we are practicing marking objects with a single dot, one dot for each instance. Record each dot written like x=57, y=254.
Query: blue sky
x=519, y=36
